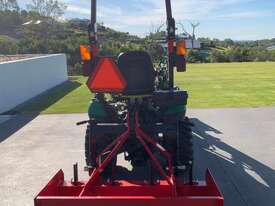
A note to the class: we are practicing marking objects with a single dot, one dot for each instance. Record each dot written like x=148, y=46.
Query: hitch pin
x=85, y=122
x=75, y=179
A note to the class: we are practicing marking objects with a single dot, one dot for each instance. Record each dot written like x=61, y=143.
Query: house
x=271, y=48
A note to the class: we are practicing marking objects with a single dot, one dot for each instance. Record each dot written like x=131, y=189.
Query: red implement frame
x=95, y=192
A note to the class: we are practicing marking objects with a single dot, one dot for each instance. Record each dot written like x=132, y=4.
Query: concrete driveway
x=238, y=145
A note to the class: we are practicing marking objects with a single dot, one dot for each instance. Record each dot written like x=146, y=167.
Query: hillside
x=23, y=32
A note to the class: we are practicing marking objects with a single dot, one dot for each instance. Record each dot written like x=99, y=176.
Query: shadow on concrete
x=25, y=113
x=243, y=180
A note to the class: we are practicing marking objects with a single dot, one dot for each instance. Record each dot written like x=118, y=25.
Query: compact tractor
x=137, y=113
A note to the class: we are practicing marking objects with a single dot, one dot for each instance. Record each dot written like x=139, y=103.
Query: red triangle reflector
x=106, y=77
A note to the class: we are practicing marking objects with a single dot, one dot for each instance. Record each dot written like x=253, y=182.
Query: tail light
x=85, y=53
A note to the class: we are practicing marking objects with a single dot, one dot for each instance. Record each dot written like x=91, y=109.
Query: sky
x=235, y=19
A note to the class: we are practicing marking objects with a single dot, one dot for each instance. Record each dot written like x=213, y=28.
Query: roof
x=271, y=47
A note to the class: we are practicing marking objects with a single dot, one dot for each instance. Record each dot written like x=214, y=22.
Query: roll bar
x=171, y=36
x=92, y=26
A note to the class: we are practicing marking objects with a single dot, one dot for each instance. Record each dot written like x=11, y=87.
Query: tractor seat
x=138, y=71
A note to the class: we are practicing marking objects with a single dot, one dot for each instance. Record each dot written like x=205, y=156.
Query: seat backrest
x=138, y=71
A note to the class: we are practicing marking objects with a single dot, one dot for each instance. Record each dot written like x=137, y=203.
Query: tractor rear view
x=141, y=119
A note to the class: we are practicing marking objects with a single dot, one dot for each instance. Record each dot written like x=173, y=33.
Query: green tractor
x=133, y=114
x=130, y=84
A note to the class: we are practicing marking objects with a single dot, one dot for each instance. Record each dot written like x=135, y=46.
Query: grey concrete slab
x=33, y=154
x=236, y=144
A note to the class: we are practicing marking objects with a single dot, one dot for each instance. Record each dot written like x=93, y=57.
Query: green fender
x=96, y=110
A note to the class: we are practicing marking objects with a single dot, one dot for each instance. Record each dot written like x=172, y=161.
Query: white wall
x=24, y=79
x=196, y=44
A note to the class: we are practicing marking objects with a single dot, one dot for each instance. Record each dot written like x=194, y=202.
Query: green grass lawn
x=229, y=85
x=209, y=86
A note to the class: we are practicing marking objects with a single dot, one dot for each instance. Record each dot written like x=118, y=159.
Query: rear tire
x=92, y=152
x=185, y=152
x=88, y=147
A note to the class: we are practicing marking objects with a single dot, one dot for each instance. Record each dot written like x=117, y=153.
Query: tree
x=218, y=56
x=194, y=56
x=9, y=20
x=9, y=5
x=228, y=43
x=48, y=8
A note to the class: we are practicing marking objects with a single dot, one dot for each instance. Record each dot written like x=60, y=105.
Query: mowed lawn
x=229, y=85
x=209, y=86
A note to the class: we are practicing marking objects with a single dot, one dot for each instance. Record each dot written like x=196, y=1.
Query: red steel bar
x=95, y=192
x=96, y=173
x=123, y=193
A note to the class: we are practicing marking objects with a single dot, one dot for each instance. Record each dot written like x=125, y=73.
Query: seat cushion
x=138, y=71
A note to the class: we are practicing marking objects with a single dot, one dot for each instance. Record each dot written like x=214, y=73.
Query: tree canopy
x=48, y=8
x=8, y=5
